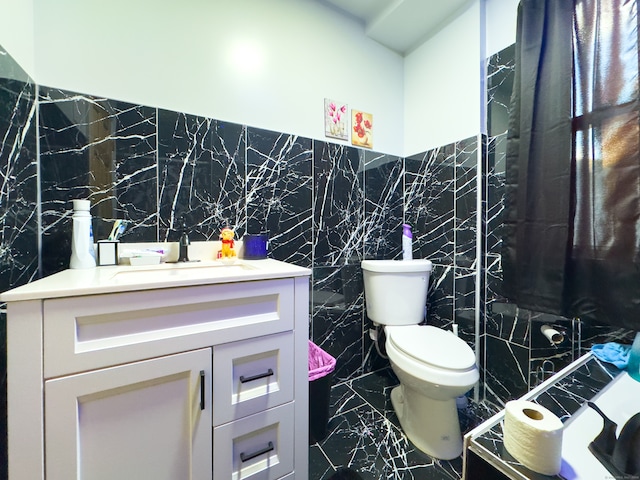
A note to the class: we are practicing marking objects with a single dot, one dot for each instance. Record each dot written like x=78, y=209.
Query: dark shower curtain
x=572, y=200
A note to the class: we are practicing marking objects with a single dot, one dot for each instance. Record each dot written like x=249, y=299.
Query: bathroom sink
x=181, y=271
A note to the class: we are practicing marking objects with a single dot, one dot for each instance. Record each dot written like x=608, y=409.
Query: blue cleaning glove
x=612, y=352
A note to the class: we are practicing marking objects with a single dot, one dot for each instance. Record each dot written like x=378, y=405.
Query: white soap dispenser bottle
x=407, y=242
x=82, y=254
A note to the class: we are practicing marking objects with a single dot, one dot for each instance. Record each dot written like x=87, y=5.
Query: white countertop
x=123, y=278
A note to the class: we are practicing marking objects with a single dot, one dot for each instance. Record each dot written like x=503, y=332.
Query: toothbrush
x=118, y=229
x=114, y=230
x=121, y=228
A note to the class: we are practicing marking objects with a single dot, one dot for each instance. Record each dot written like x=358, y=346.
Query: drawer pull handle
x=244, y=379
x=245, y=458
x=202, y=389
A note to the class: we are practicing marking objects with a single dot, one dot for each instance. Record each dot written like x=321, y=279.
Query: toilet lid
x=431, y=345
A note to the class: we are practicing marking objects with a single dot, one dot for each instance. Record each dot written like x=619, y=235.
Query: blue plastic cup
x=255, y=246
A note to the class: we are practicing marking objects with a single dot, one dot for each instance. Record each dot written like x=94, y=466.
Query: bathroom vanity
x=175, y=371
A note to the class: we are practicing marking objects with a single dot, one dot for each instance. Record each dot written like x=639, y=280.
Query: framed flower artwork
x=336, y=119
x=361, y=129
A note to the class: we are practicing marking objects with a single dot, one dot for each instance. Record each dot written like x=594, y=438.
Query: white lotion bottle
x=82, y=254
x=407, y=242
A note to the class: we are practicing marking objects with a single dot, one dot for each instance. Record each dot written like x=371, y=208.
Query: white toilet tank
x=396, y=290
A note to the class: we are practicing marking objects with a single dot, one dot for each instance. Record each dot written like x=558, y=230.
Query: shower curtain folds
x=572, y=199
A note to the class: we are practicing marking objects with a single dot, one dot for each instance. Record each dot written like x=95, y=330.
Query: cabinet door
x=145, y=420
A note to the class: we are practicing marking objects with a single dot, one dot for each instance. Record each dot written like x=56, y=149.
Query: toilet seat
x=432, y=346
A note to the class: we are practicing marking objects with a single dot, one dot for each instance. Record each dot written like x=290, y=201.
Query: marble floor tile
x=319, y=465
x=363, y=434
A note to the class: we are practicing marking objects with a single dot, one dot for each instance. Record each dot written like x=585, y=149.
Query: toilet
x=433, y=365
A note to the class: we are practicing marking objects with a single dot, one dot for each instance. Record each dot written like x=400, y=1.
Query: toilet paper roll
x=533, y=436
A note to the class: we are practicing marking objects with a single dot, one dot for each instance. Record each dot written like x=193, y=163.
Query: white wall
x=182, y=56
x=501, y=24
x=442, y=85
x=16, y=32
x=444, y=100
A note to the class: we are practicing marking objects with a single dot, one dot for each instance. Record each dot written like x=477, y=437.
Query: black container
x=319, y=396
x=321, y=367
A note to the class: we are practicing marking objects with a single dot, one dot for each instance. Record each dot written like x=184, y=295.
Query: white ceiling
x=401, y=25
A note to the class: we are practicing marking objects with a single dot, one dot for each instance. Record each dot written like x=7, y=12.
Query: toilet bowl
x=434, y=366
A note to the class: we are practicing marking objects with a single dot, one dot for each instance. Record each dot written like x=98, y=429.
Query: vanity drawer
x=259, y=446
x=96, y=331
x=252, y=375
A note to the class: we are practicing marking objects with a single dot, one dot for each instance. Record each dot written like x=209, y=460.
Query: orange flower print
x=362, y=126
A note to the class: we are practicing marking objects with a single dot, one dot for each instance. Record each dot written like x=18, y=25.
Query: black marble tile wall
x=279, y=194
x=466, y=202
x=468, y=153
x=18, y=166
x=101, y=150
x=429, y=185
x=464, y=309
x=338, y=204
x=441, y=198
x=383, y=217
x=429, y=198
x=384, y=205
x=500, y=72
x=201, y=176
x=338, y=317
x=338, y=245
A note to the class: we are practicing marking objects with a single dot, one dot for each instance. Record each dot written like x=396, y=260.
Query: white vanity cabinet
x=177, y=378
x=146, y=419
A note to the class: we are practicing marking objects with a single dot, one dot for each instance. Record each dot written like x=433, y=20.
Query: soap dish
x=141, y=257
x=145, y=260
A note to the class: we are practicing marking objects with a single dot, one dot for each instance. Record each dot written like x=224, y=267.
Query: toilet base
x=431, y=425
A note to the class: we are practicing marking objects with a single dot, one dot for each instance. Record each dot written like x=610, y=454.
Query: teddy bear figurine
x=226, y=236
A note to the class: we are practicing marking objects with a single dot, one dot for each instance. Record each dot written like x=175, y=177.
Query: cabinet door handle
x=202, y=389
x=246, y=457
x=244, y=379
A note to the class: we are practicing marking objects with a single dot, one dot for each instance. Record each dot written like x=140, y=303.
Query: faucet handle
x=184, y=241
x=183, y=230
